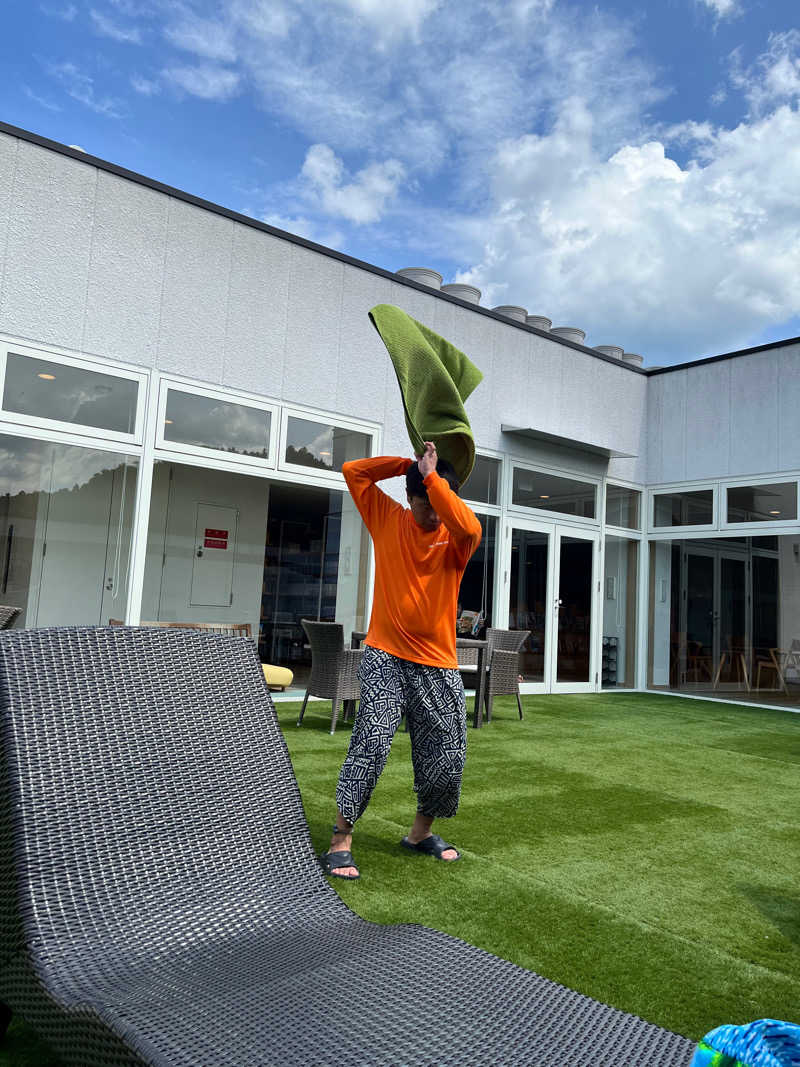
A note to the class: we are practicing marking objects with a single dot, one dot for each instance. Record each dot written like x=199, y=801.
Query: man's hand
x=428, y=460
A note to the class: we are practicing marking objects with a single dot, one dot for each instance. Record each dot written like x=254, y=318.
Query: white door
x=550, y=574
x=214, y=554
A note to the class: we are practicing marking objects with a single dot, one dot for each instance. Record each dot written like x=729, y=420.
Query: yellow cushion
x=277, y=677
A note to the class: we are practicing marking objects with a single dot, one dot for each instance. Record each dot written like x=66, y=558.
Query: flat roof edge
x=725, y=355
x=293, y=238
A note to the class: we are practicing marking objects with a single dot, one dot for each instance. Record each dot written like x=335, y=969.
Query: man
x=409, y=663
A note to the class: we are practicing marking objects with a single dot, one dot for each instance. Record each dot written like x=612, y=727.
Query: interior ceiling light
x=544, y=496
x=47, y=377
x=775, y=511
x=324, y=453
x=167, y=422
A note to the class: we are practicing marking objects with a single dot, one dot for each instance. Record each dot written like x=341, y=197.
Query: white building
x=180, y=385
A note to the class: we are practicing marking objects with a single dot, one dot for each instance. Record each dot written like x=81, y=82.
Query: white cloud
x=40, y=100
x=106, y=28
x=203, y=37
x=640, y=251
x=724, y=9
x=774, y=78
x=80, y=87
x=361, y=200
x=145, y=86
x=302, y=226
x=391, y=19
x=207, y=82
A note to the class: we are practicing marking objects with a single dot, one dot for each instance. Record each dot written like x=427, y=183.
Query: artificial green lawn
x=644, y=850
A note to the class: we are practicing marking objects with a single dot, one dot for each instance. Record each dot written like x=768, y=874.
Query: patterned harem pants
x=433, y=701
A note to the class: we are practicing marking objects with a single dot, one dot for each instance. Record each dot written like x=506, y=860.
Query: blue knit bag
x=764, y=1043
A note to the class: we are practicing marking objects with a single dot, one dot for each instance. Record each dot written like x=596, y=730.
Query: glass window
x=70, y=394
x=317, y=444
x=220, y=424
x=619, y=613
x=533, y=489
x=622, y=507
x=483, y=482
x=762, y=503
x=65, y=531
x=477, y=585
x=694, y=508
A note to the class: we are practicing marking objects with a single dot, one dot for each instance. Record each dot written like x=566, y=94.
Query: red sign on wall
x=215, y=539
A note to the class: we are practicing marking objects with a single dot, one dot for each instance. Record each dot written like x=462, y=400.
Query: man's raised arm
x=361, y=476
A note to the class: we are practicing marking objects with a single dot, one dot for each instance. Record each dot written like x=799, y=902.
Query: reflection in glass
x=622, y=507
x=70, y=394
x=483, y=483
x=694, y=508
x=762, y=503
x=550, y=492
x=575, y=612
x=220, y=424
x=527, y=603
x=315, y=444
x=724, y=617
x=65, y=530
x=619, y=612
x=476, y=594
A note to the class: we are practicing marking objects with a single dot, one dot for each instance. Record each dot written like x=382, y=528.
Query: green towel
x=435, y=379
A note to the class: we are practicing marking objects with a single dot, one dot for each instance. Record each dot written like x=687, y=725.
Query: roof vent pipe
x=463, y=292
x=541, y=322
x=511, y=311
x=633, y=357
x=569, y=333
x=615, y=351
x=423, y=275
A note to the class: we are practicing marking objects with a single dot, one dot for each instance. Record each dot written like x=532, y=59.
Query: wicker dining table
x=481, y=648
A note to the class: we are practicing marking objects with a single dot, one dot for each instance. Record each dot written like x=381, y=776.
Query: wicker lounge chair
x=334, y=669
x=7, y=616
x=166, y=907
x=502, y=677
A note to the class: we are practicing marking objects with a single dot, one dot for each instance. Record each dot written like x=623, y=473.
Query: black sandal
x=332, y=861
x=433, y=845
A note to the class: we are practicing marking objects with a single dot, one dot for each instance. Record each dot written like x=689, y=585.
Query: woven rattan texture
x=334, y=668
x=168, y=908
x=503, y=658
x=7, y=616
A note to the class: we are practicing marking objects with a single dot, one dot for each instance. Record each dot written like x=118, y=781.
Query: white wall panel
x=788, y=363
x=8, y=165
x=753, y=413
x=47, y=247
x=365, y=379
x=195, y=295
x=255, y=329
x=312, y=341
x=670, y=447
x=708, y=430
x=126, y=271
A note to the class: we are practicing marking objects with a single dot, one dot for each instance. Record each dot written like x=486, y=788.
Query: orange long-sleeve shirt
x=417, y=573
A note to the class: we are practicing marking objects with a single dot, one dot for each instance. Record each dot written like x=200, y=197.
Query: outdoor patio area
x=640, y=849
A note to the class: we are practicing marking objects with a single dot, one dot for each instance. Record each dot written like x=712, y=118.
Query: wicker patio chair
x=166, y=909
x=334, y=669
x=7, y=616
x=502, y=677
x=227, y=629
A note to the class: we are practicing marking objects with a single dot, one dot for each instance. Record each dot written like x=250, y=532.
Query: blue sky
x=630, y=169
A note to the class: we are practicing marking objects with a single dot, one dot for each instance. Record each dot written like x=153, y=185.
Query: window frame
x=521, y=510
x=181, y=385
x=764, y=525
x=632, y=532
x=671, y=490
x=482, y=505
x=123, y=371
x=335, y=420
